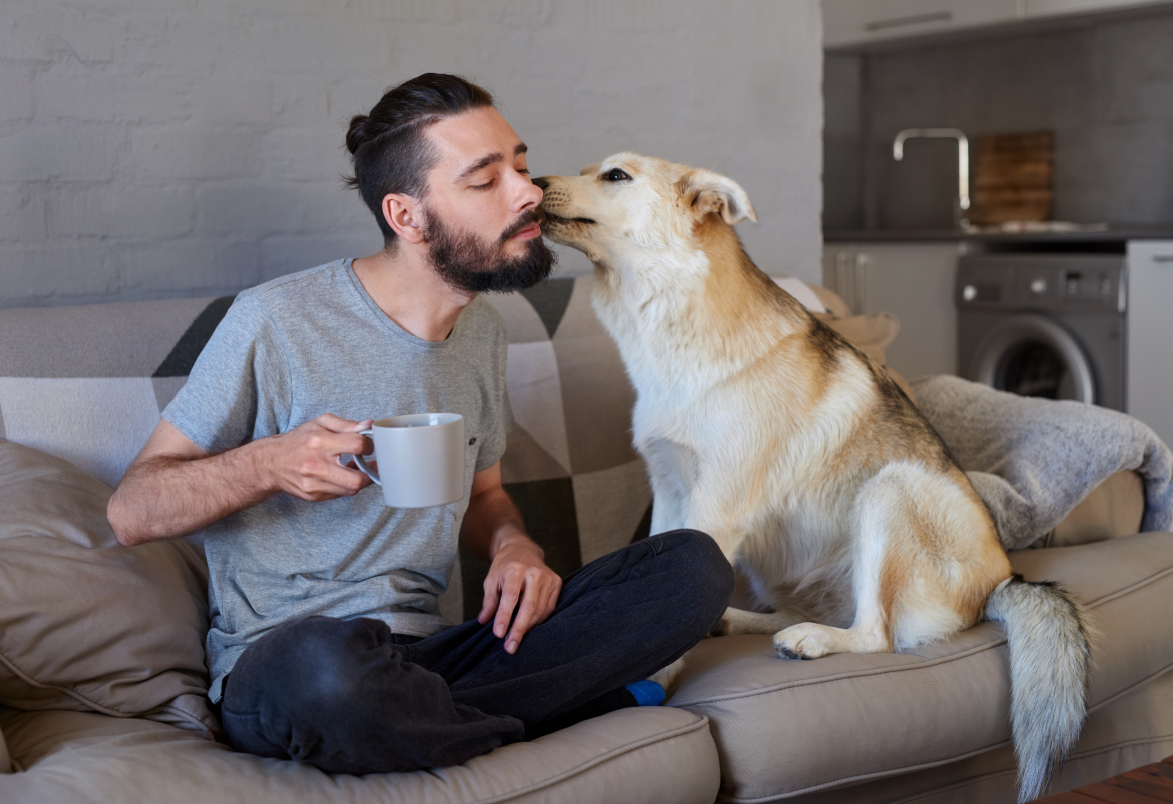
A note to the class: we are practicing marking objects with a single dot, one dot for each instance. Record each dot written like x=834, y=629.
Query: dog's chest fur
x=689, y=425
x=755, y=479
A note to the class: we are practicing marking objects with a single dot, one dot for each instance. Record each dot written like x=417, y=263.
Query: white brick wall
x=156, y=148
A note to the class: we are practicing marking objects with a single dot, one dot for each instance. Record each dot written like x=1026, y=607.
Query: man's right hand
x=305, y=462
x=174, y=488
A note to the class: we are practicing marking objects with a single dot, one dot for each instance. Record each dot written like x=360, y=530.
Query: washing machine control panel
x=1042, y=282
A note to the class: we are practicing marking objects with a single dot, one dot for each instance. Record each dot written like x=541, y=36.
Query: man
x=325, y=644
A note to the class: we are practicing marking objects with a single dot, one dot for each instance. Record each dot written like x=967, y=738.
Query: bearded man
x=325, y=644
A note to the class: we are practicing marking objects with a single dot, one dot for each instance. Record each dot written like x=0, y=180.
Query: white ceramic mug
x=420, y=457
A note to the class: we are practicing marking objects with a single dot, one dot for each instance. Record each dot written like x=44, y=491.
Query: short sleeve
x=239, y=388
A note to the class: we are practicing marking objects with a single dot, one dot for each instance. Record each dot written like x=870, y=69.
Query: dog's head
x=632, y=210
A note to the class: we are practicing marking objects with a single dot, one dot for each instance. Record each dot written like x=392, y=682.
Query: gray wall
x=1106, y=90
x=158, y=148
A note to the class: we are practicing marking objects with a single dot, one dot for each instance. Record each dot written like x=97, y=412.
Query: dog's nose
x=540, y=181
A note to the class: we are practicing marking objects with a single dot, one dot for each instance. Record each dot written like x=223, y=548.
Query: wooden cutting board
x=1013, y=175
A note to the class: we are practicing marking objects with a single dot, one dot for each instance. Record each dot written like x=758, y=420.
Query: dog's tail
x=1050, y=663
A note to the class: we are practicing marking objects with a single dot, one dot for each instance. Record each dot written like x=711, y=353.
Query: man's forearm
x=168, y=496
x=519, y=587
x=492, y=519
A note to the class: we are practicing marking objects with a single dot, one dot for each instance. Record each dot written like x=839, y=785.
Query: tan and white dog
x=815, y=474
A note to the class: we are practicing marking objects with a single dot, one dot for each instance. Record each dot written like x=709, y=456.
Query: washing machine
x=1046, y=325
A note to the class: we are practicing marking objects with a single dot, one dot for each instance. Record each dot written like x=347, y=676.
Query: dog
x=799, y=455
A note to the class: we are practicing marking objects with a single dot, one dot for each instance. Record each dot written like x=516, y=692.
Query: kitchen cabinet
x=1150, y=360
x=914, y=281
x=848, y=23
x=1035, y=9
x=857, y=22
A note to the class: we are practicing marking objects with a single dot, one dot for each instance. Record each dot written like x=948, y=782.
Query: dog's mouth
x=558, y=219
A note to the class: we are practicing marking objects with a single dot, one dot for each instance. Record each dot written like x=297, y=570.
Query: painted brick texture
x=193, y=147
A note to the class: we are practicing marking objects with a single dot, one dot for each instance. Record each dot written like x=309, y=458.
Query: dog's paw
x=802, y=641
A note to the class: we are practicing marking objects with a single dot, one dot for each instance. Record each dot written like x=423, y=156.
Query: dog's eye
x=615, y=174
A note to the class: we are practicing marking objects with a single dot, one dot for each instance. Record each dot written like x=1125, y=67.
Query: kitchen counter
x=1115, y=233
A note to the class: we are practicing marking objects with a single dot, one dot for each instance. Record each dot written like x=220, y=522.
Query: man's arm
x=492, y=529
x=174, y=488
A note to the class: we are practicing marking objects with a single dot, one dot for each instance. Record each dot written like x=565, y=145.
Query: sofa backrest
x=88, y=383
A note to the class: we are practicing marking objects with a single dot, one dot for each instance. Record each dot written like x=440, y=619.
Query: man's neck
x=407, y=288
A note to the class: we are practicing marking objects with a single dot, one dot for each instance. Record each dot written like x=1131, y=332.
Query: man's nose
x=531, y=194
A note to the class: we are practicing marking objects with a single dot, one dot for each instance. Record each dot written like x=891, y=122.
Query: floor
x=1147, y=785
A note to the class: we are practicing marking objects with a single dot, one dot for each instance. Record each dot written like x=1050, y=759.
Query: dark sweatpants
x=351, y=697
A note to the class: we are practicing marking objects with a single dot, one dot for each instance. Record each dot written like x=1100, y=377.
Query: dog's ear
x=703, y=191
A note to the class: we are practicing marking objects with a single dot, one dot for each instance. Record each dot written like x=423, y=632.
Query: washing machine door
x=1031, y=355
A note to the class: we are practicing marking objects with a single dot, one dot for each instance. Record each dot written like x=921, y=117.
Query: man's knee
x=700, y=563
x=314, y=660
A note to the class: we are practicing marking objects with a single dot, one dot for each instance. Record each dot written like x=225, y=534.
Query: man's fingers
x=492, y=596
x=349, y=444
x=509, y=596
x=328, y=442
x=521, y=623
x=538, y=601
x=339, y=425
x=334, y=480
x=552, y=597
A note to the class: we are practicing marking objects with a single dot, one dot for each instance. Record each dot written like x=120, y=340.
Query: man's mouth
x=529, y=232
x=526, y=227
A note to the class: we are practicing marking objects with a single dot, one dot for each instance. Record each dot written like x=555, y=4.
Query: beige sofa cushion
x=1126, y=732
x=888, y=714
x=86, y=623
x=644, y=754
x=1112, y=509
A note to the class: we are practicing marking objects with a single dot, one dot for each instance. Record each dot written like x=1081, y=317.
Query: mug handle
x=361, y=462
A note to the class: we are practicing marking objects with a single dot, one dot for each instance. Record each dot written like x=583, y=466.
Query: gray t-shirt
x=288, y=351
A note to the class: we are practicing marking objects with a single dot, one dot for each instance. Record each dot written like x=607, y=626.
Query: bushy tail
x=1050, y=660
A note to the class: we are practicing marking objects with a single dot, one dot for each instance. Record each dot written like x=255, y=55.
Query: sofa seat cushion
x=1131, y=730
x=646, y=754
x=1112, y=509
x=785, y=728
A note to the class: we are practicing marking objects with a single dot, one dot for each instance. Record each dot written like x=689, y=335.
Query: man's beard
x=466, y=262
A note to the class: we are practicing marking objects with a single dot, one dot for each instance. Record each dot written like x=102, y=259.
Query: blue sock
x=646, y=692
x=637, y=693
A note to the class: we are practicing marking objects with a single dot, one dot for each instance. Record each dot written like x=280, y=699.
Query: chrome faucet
x=959, y=213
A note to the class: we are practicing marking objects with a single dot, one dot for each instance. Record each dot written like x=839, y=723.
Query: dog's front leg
x=672, y=470
x=740, y=621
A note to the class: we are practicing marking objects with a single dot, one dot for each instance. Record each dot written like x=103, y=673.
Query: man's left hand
x=519, y=579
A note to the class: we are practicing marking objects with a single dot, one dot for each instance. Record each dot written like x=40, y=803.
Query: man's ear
x=703, y=191
x=403, y=214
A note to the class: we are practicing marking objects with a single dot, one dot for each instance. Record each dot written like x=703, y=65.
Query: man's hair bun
x=358, y=133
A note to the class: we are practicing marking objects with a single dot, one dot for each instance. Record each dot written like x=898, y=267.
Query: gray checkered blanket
x=1033, y=460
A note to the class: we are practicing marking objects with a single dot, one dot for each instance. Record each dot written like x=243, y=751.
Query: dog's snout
x=541, y=182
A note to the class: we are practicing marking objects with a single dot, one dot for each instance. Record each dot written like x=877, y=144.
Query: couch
x=101, y=647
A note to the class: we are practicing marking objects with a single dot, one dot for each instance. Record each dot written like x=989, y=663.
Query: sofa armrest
x=1114, y=508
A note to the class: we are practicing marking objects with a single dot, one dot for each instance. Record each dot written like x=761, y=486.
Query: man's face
x=481, y=218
